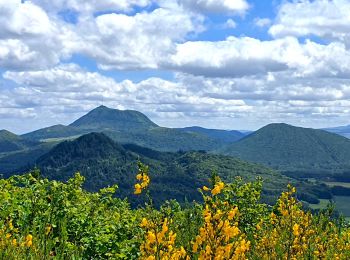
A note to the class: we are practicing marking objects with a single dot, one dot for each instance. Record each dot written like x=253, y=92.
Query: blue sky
x=230, y=64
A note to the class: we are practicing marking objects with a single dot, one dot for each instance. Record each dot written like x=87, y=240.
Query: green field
x=322, y=205
x=342, y=204
x=336, y=183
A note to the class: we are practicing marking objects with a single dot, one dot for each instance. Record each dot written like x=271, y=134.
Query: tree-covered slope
x=225, y=136
x=287, y=146
x=174, y=175
x=10, y=142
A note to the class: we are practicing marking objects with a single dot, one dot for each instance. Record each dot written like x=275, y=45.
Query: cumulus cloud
x=28, y=37
x=90, y=7
x=216, y=6
x=262, y=22
x=323, y=18
x=230, y=24
x=237, y=57
x=67, y=91
x=32, y=37
x=243, y=79
x=119, y=41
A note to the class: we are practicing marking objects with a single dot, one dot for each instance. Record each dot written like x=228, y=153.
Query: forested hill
x=10, y=142
x=286, y=146
x=174, y=175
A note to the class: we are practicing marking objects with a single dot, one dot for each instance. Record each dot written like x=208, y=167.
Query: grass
x=322, y=205
x=60, y=139
x=342, y=204
x=336, y=183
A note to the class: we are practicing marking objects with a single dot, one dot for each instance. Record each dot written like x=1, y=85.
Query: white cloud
x=323, y=18
x=29, y=38
x=237, y=57
x=29, y=35
x=262, y=22
x=18, y=18
x=61, y=94
x=89, y=7
x=118, y=41
x=230, y=24
x=216, y=6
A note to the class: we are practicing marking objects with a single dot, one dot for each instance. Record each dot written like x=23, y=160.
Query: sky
x=228, y=64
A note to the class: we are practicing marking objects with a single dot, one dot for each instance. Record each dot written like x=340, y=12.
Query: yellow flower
x=144, y=222
x=14, y=242
x=151, y=237
x=205, y=188
x=139, y=176
x=232, y=213
x=217, y=188
x=47, y=229
x=29, y=240
x=296, y=231
x=138, y=188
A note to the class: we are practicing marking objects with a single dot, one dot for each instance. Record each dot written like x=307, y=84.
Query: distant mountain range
x=280, y=146
x=134, y=127
x=340, y=130
x=123, y=126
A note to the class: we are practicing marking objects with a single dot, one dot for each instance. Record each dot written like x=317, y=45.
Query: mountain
x=128, y=126
x=220, y=135
x=104, y=118
x=340, y=130
x=173, y=175
x=288, y=147
x=10, y=142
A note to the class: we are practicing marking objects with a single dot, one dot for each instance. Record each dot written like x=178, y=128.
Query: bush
x=42, y=219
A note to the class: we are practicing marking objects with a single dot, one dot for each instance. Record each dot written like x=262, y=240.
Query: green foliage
x=43, y=219
x=66, y=221
x=174, y=175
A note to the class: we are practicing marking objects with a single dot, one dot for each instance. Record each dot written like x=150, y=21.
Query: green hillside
x=288, y=147
x=10, y=142
x=56, y=131
x=226, y=136
x=174, y=175
x=18, y=161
